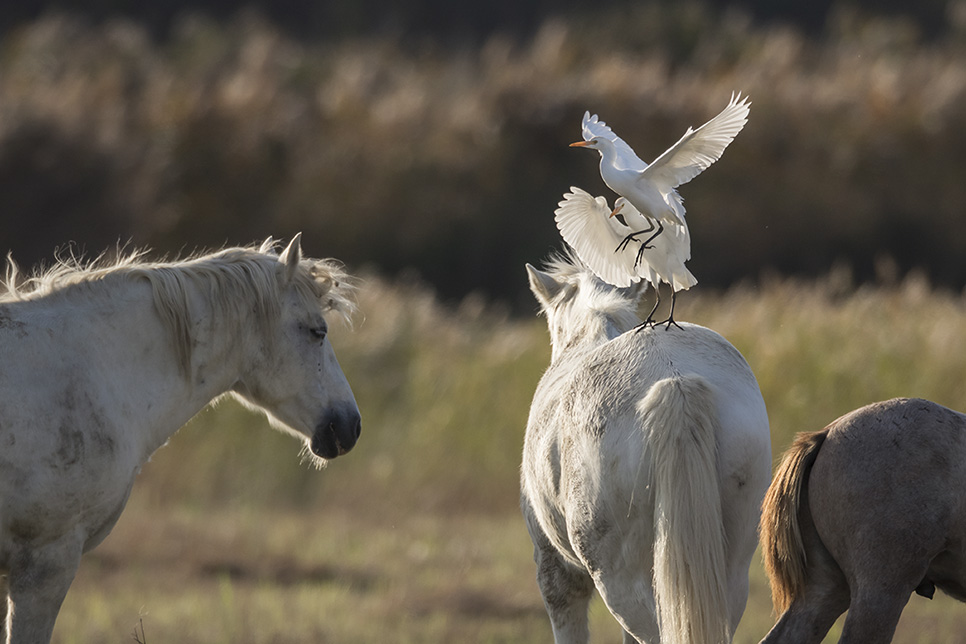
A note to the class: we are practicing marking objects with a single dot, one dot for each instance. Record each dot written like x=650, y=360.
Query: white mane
x=236, y=280
x=586, y=292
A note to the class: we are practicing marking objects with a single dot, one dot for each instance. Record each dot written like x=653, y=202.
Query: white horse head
x=297, y=379
x=580, y=308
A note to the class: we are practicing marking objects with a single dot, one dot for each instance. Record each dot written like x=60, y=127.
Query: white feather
x=586, y=224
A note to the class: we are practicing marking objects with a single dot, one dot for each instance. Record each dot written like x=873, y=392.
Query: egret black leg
x=640, y=254
x=649, y=320
x=660, y=229
x=633, y=237
x=670, y=318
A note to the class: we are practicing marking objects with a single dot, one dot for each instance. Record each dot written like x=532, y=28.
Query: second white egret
x=606, y=242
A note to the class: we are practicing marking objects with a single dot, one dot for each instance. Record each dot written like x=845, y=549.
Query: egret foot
x=621, y=246
x=640, y=254
x=633, y=237
x=670, y=318
x=667, y=324
x=660, y=229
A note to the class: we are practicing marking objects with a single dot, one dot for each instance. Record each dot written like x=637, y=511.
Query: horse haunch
x=863, y=514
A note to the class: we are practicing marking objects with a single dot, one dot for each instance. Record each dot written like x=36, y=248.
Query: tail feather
x=783, y=550
x=689, y=545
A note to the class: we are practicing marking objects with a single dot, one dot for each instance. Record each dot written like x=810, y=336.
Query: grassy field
x=416, y=156
x=415, y=536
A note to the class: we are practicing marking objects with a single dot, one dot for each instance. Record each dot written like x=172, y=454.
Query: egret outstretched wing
x=585, y=223
x=698, y=149
x=627, y=159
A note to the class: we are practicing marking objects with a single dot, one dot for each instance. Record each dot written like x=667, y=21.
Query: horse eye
x=318, y=332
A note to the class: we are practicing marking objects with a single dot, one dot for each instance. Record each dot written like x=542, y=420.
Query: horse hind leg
x=566, y=589
x=566, y=593
x=810, y=616
x=620, y=560
x=824, y=597
x=873, y=616
x=5, y=610
x=627, y=592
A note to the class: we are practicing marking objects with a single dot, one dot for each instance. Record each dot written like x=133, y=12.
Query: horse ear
x=267, y=245
x=291, y=256
x=544, y=287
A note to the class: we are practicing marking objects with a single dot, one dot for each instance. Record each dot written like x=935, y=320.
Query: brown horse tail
x=781, y=534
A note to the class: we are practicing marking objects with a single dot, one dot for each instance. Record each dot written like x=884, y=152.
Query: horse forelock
x=326, y=280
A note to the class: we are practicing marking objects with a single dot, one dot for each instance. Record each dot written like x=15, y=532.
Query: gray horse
x=646, y=458
x=862, y=514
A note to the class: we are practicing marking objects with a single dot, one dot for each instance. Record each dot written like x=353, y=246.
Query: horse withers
x=101, y=364
x=646, y=456
x=862, y=514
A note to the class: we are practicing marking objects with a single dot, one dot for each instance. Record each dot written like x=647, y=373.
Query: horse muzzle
x=337, y=433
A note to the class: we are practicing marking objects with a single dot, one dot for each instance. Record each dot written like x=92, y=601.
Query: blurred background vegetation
x=432, y=138
x=425, y=144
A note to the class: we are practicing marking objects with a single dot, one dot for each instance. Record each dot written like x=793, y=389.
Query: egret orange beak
x=580, y=144
x=615, y=210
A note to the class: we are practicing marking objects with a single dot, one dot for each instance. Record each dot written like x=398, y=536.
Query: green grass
x=335, y=576
x=415, y=536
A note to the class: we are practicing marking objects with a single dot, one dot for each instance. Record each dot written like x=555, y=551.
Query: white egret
x=651, y=188
x=593, y=230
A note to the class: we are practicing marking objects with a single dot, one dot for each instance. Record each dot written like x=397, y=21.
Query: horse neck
x=175, y=389
x=221, y=343
x=585, y=335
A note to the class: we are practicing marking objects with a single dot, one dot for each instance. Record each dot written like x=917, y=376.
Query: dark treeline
x=443, y=20
x=451, y=162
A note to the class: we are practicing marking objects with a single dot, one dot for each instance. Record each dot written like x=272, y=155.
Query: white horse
x=646, y=457
x=102, y=364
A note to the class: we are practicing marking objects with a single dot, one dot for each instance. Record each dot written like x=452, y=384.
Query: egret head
x=618, y=206
x=593, y=144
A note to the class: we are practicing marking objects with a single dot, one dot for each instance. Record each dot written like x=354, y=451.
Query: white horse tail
x=783, y=549
x=680, y=423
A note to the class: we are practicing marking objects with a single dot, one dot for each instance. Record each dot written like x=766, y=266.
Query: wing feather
x=585, y=223
x=699, y=148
